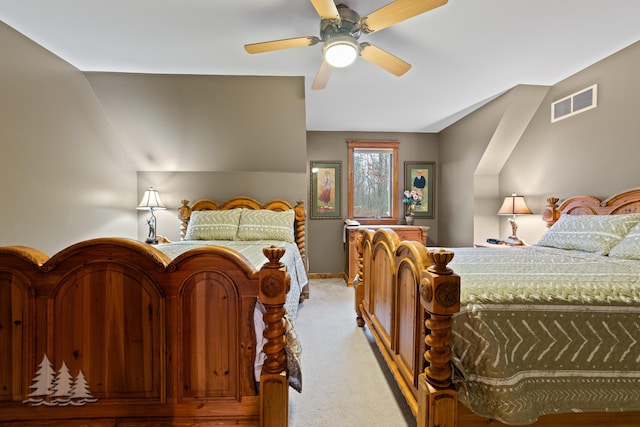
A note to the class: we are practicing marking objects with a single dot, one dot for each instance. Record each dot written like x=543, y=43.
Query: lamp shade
x=151, y=200
x=514, y=205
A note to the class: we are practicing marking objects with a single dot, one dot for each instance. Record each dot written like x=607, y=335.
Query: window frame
x=354, y=145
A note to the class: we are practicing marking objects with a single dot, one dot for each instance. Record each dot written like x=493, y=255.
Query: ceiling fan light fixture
x=340, y=51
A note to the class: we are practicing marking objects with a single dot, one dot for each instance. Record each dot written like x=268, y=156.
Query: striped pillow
x=213, y=225
x=629, y=247
x=589, y=233
x=264, y=224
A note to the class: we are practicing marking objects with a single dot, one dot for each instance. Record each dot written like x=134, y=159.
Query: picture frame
x=325, y=189
x=413, y=172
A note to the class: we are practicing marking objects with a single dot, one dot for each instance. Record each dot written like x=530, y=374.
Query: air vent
x=573, y=104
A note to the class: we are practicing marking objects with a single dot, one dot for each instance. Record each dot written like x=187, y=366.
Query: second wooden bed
x=408, y=297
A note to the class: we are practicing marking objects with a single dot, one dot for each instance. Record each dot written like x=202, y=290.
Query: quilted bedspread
x=545, y=330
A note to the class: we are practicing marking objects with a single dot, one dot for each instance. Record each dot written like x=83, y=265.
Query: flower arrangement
x=410, y=200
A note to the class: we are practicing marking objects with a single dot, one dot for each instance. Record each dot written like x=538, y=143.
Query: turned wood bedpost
x=551, y=212
x=301, y=230
x=358, y=285
x=184, y=213
x=274, y=392
x=440, y=297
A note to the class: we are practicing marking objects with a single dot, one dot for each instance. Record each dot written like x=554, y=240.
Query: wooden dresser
x=405, y=232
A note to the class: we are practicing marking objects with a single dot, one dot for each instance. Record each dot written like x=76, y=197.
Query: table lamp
x=514, y=205
x=151, y=201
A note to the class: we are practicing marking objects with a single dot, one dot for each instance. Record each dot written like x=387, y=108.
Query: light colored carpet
x=345, y=381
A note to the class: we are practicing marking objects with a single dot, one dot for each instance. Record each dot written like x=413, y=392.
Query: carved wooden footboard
x=111, y=332
x=394, y=277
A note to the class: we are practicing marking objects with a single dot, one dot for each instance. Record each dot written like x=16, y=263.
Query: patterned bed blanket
x=544, y=331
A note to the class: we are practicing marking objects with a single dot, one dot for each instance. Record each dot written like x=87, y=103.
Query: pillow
x=589, y=233
x=213, y=225
x=264, y=224
x=629, y=247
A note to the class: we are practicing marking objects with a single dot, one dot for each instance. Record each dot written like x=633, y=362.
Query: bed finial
x=440, y=259
x=274, y=253
x=551, y=212
x=301, y=231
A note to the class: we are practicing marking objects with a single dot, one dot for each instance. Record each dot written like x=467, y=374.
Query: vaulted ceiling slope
x=462, y=54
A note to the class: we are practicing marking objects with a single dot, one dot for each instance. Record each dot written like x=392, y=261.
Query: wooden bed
x=278, y=205
x=407, y=296
x=112, y=332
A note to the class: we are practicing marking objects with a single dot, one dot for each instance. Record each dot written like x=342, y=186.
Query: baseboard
x=326, y=275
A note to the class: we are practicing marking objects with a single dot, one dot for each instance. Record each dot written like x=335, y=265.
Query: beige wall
x=72, y=145
x=461, y=148
x=207, y=123
x=326, y=249
x=595, y=152
x=64, y=177
x=247, y=135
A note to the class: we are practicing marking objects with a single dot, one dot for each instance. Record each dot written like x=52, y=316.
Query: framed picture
x=326, y=189
x=421, y=177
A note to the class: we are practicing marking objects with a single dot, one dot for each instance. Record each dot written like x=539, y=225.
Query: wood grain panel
x=408, y=327
x=211, y=365
x=382, y=269
x=13, y=326
x=109, y=319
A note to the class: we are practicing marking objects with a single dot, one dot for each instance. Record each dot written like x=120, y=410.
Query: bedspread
x=545, y=330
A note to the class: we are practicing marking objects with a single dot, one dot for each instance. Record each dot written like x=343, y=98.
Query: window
x=373, y=181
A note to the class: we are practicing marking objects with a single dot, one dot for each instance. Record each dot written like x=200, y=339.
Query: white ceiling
x=462, y=54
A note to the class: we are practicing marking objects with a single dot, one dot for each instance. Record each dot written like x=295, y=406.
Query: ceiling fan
x=340, y=29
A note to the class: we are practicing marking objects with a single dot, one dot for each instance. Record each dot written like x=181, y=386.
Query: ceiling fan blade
x=397, y=11
x=322, y=77
x=384, y=59
x=281, y=44
x=326, y=9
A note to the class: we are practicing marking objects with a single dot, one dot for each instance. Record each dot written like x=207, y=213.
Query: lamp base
x=151, y=241
x=514, y=241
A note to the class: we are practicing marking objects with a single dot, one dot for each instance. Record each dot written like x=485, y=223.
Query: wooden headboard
x=622, y=203
x=278, y=205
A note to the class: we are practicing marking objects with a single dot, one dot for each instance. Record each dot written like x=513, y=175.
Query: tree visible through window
x=373, y=181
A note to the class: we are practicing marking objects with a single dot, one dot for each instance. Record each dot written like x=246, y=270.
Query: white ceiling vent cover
x=573, y=104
